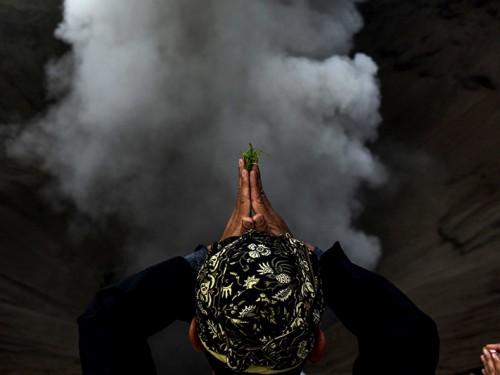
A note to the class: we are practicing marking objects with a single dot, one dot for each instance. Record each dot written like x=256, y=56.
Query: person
x=490, y=357
x=394, y=335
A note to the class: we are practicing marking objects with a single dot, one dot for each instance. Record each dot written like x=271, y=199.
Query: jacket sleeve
x=394, y=335
x=114, y=328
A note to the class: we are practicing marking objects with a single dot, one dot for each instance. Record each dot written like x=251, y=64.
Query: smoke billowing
x=159, y=98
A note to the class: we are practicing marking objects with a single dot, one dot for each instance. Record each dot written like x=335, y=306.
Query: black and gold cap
x=259, y=302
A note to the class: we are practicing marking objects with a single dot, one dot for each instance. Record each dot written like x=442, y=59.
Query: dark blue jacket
x=394, y=336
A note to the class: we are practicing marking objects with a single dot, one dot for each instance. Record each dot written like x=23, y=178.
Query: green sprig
x=251, y=157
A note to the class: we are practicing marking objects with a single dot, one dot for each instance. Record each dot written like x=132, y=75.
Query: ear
x=193, y=336
x=319, y=348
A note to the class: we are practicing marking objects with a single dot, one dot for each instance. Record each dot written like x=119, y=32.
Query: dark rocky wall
x=27, y=44
x=439, y=217
x=46, y=273
x=46, y=277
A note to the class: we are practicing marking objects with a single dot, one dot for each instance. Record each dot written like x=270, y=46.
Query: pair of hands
x=251, y=197
x=491, y=359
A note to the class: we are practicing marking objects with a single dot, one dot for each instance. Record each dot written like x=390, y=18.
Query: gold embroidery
x=250, y=282
x=227, y=290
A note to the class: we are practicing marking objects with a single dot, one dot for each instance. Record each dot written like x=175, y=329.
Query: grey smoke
x=160, y=98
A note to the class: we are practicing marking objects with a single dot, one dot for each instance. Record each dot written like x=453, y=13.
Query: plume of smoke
x=162, y=96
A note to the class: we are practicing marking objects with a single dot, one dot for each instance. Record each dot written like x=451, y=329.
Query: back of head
x=258, y=302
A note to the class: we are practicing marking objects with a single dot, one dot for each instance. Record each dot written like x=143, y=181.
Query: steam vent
x=94, y=187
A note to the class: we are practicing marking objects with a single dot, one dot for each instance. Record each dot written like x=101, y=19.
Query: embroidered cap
x=258, y=302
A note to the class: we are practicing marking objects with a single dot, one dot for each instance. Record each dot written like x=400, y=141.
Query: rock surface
x=46, y=276
x=27, y=44
x=438, y=218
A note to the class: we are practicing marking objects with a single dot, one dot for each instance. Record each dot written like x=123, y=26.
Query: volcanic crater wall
x=439, y=217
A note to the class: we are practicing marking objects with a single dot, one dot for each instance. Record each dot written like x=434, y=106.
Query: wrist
x=196, y=258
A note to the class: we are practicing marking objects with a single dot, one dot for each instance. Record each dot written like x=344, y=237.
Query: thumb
x=260, y=223
x=247, y=223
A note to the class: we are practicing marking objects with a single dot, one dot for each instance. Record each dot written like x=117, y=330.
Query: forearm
x=385, y=321
x=197, y=257
x=109, y=349
x=117, y=323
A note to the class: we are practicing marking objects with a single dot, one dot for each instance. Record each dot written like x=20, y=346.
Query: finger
x=485, y=364
x=240, y=170
x=485, y=361
x=493, y=347
x=488, y=361
x=259, y=200
x=241, y=165
x=496, y=362
x=244, y=203
x=247, y=223
x=260, y=223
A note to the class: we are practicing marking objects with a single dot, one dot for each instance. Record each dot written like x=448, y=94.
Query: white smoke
x=161, y=97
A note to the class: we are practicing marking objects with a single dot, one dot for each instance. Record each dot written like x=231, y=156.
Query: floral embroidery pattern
x=250, y=282
x=283, y=294
x=283, y=278
x=264, y=269
x=246, y=311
